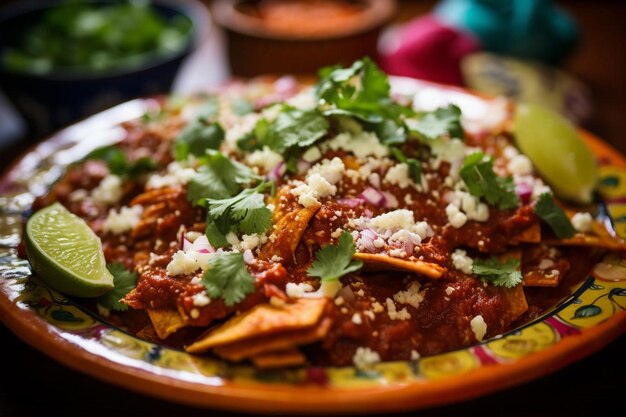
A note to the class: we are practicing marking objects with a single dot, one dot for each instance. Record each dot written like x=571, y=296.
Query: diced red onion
x=350, y=202
x=390, y=200
x=302, y=166
x=524, y=191
x=277, y=172
x=286, y=85
x=373, y=196
x=369, y=233
x=201, y=244
x=409, y=247
x=368, y=213
x=346, y=293
x=186, y=244
x=374, y=179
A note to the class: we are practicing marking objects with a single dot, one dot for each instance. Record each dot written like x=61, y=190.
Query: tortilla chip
x=598, y=237
x=279, y=359
x=166, y=321
x=288, y=231
x=530, y=235
x=262, y=320
x=283, y=341
x=517, y=304
x=541, y=278
x=379, y=261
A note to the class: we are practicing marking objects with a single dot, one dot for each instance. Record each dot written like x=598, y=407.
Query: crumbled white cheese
x=414, y=355
x=399, y=175
x=394, y=220
x=78, y=195
x=450, y=290
x=181, y=264
x=176, y=174
x=361, y=144
x=122, y=221
x=365, y=357
x=545, y=264
x=265, y=158
x=479, y=327
x=312, y=154
x=456, y=218
x=331, y=170
x=315, y=187
x=249, y=242
x=412, y=296
x=462, y=262
x=356, y=318
x=520, y=165
x=394, y=314
x=201, y=299
x=377, y=307
x=109, y=191
x=583, y=222
x=298, y=290
x=397, y=253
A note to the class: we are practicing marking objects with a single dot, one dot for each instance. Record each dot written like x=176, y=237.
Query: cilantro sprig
x=334, y=261
x=442, y=121
x=477, y=173
x=499, y=274
x=218, y=177
x=244, y=213
x=118, y=163
x=361, y=91
x=197, y=137
x=554, y=216
x=123, y=282
x=228, y=278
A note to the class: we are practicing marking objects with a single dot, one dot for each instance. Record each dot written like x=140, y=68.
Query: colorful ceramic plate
x=584, y=322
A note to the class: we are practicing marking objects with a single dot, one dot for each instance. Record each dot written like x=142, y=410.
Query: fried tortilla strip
x=262, y=320
x=238, y=351
x=598, y=237
x=517, y=304
x=530, y=235
x=379, y=261
x=543, y=266
x=541, y=278
x=279, y=359
x=166, y=321
x=288, y=231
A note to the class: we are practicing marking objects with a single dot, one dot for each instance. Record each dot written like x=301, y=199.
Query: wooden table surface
x=32, y=384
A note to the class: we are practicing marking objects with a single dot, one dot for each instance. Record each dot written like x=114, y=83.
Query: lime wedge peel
x=558, y=152
x=66, y=254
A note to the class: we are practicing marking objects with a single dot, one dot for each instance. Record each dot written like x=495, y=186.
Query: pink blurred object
x=426, y=48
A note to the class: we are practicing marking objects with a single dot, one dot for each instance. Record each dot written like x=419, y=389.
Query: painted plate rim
x=84, y=355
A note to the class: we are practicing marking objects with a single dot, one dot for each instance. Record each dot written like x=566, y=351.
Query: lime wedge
x=66, y=254
x=558, y=152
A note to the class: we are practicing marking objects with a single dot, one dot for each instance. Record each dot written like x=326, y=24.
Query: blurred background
x=61, y=61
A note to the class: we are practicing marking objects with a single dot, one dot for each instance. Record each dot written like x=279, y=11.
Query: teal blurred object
x=535, y=29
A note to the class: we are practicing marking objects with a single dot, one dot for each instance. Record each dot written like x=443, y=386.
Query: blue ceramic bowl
x=50, y=101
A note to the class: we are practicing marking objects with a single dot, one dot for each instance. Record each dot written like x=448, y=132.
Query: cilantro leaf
x=554, y=216
x=197, y=137
x=228, y=278
x=362, y=91
x=334, y=261
x=415, y=166
x=220, y=177
x=293, y=128
x=246, y=212
x=444, y=120
x=390, y=132
x=118, y=164
x=482, y=181
x=501, y=275
x=241, y=106
x=123, y=282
